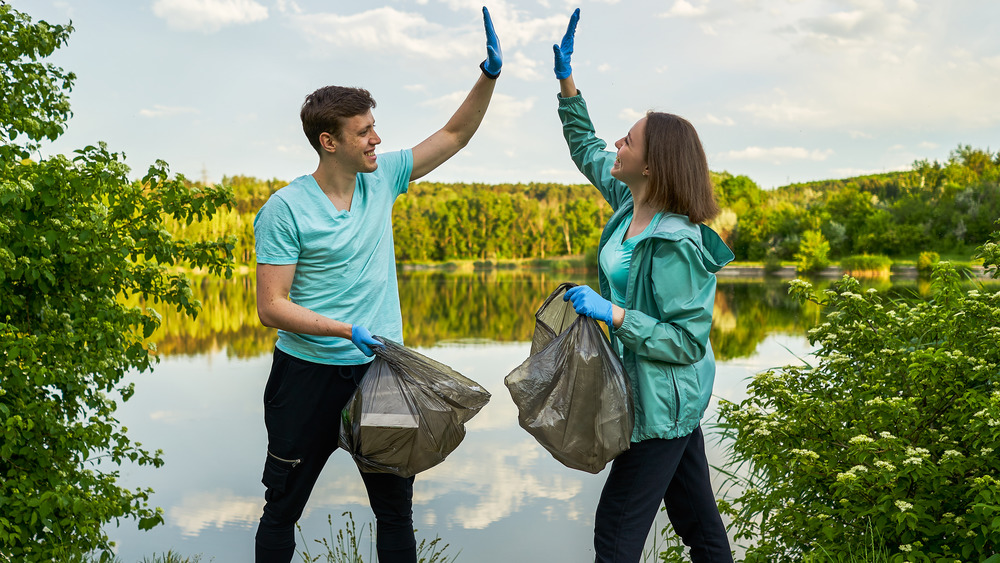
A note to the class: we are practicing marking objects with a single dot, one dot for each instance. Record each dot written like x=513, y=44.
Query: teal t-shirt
x=345, y=260
x=616, y=256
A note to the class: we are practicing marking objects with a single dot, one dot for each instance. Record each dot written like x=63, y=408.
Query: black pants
x=302, y=407
x=674, y=472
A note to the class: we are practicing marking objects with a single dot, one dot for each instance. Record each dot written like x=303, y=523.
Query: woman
x=657, y=289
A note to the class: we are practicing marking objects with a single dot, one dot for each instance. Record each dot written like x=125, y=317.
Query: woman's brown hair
x=325, y=110
x=679, y=181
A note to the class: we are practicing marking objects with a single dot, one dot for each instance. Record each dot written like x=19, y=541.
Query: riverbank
x=580, y=264
x=745, y=270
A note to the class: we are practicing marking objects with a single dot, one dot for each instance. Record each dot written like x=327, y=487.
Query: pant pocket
x=276, y=472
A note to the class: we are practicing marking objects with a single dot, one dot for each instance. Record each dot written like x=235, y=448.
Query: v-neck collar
x=330, y=207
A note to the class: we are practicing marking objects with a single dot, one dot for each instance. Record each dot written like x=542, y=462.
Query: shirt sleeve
x=587, y=151
x=276, y=239
x=398, y=166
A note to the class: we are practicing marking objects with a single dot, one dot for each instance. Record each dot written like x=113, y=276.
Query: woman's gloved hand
x=589, y=303
x=494, y=57
x=364, y=340
x=564, y=50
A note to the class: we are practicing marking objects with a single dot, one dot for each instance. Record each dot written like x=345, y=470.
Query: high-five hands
x=494, y=57
x=564, y=50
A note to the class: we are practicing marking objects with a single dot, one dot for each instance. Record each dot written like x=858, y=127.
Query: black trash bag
x=408, y=413
x=572, y=393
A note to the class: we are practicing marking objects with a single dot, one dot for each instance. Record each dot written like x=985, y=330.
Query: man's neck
x=336, y=183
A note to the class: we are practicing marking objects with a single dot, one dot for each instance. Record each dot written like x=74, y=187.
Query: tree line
x=946, y=207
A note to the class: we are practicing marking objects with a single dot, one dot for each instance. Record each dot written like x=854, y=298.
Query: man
x=326, y=279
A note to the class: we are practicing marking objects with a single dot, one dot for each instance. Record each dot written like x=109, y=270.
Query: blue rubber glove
x=364, y=340
x=564, y=50
x=588, y=302
x=494, y=58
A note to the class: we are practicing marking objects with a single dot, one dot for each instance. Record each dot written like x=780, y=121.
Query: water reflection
x=496, y=305
x=498, y=497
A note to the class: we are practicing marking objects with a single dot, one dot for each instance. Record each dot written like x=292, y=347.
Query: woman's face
x=630, y=166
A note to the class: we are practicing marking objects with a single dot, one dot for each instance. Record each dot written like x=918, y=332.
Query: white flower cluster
x=885, y=465
x=948, y=454
x=903, y=506
x=806, y=453
x=861, y=439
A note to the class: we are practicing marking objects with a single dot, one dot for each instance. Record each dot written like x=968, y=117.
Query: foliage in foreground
x=75, y=237
x=345, y=546
x=889, y=441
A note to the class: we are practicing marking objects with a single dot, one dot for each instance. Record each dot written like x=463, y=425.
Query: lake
x=499, y=497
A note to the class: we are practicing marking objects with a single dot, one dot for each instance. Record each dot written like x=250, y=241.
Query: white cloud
x=208, y=15
x=522, y=66
x=502, y=106
x=726, y=121
x=684, y=9
x=777, y=155
x=389, y=30
x=202, y=509
x=166, y=111
x=631, y=115
x=285, y=6
x=509, y=107
x=786, y=112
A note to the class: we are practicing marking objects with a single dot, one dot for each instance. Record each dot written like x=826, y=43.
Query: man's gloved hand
x=588, y=302
x=564, y=50
x=364, y=340
x=494, y=58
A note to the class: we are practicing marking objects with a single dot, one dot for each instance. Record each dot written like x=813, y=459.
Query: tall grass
x=347, y=545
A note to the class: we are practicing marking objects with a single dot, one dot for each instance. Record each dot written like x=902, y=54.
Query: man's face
x=356, y=147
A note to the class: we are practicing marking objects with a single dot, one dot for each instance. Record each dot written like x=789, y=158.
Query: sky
x=781, y=91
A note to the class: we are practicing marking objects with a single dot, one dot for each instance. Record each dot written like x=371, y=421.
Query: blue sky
x=779, y=90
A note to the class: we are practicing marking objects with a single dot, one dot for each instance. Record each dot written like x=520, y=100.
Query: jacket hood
x=713, y=250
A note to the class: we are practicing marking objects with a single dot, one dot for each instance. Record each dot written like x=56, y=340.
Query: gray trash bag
x=408, y=413
x=572, y=393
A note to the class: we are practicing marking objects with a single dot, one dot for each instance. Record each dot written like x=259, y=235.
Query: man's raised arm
x=446, y=142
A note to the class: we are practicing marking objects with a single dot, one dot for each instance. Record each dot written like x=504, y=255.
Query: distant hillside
x=948, y=207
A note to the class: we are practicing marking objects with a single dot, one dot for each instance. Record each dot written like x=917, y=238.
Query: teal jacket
x=669, y=298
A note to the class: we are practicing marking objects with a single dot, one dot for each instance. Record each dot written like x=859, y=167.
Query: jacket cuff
x=572, y=100
x=628, y=327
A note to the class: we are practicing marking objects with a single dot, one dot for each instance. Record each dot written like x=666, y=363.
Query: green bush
x=814, y=252
x=990, y=253
x=866, y=265
x=888, y=441
x=772, y=263
x=926, y=262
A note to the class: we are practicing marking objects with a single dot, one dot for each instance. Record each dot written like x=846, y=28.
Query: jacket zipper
x=294, y=462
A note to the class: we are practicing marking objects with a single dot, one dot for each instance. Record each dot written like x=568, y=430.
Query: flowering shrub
x=890, y=440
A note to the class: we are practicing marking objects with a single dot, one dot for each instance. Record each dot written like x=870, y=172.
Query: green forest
x=945, y=207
